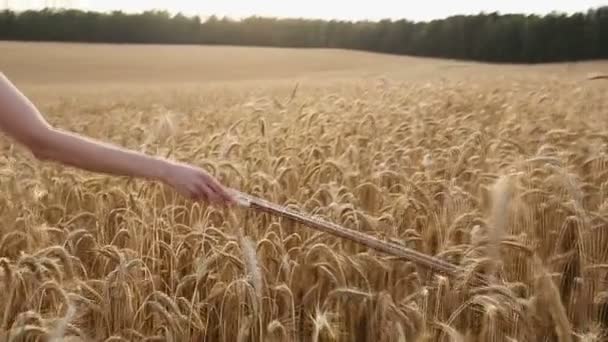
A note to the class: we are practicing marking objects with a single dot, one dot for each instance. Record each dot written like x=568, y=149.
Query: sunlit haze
x=372, y=10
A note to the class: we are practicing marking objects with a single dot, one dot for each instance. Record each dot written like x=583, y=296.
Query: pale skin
x=20, y=119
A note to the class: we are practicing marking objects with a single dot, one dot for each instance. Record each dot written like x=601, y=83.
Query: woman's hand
x=196, y=184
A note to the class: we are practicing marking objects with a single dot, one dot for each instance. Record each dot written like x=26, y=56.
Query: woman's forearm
x=88, y=154
x=21, y=119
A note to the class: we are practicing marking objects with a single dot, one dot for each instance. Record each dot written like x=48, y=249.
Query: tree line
x=490, y=37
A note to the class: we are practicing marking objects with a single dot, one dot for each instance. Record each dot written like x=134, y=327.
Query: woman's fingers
x=210, y=195
x=198, y=185
x=225, y=196
x=218, y=190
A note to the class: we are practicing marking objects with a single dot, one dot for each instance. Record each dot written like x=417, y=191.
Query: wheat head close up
x=499, y=170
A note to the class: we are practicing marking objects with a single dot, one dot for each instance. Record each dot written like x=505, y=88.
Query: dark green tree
x=489, y=37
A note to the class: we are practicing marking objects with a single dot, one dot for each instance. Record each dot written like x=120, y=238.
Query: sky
x=324, y=9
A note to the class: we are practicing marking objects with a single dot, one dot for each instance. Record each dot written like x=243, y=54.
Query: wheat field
x=499, y=169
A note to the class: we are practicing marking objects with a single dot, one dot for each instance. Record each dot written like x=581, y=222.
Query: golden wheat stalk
x=434, y=264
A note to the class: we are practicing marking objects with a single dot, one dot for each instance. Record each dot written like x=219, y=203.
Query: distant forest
x=490, y=37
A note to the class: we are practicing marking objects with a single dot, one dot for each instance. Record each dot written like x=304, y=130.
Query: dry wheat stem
x=435, y=264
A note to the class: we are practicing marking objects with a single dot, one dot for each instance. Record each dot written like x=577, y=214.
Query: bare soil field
x=501, y=170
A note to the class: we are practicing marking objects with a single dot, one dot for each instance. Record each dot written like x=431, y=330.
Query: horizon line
x=174, y=13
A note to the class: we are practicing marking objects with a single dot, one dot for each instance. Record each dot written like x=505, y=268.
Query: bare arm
x=20, y=119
